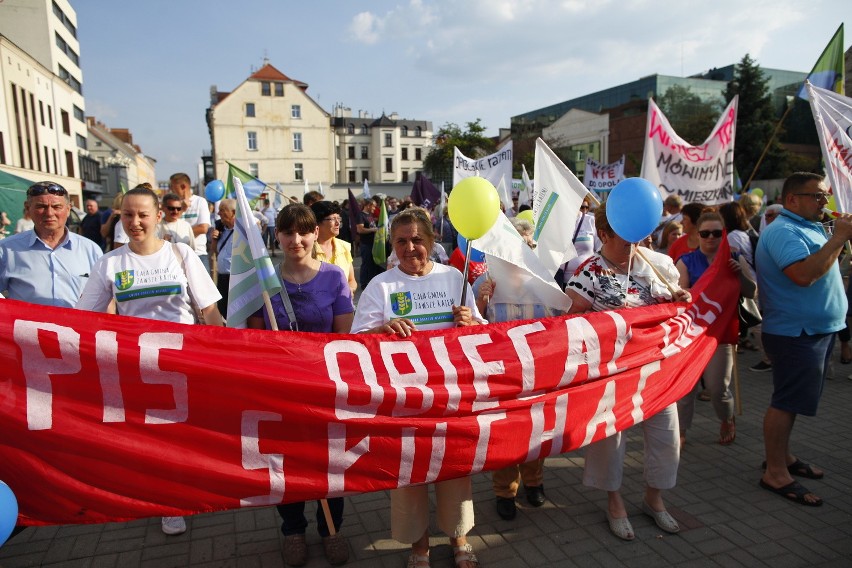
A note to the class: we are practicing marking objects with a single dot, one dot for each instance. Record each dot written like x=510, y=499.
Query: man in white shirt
x=195, y=212
x=172, y=228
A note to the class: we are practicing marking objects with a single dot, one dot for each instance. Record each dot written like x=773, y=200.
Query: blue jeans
x=294, y=521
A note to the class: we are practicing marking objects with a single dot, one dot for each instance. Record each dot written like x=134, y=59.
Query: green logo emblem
x=124, y=280
x=401, y=303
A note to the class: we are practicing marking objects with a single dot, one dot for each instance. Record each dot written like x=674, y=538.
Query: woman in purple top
x=322, y=303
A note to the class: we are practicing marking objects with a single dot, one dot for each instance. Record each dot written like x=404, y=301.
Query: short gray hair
x=523, y=226
x=228, y=204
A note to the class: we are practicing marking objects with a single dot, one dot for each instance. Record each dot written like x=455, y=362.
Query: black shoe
x=535, y=495
x=761, y=367
x=506, y=508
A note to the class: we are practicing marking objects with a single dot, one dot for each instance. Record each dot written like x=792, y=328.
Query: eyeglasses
x=173, y=209
x=333, y=220
x=818, y=195
x=43, y=187
x=716, y=233
x=584, y=207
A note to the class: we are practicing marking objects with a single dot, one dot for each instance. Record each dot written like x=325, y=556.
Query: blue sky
x=148, y=66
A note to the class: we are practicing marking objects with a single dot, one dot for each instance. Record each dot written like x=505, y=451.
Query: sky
x=148, y=66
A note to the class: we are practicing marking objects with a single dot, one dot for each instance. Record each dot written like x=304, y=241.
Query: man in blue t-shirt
x=804, y=305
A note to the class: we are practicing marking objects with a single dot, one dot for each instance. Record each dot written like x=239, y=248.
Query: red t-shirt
x=680, y=247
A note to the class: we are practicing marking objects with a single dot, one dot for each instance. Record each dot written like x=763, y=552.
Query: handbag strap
x=192, y=301
x=288, y=306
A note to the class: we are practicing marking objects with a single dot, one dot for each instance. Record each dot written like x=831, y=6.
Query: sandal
x=728, y=432
x=794, y=492
x=418, y=561
x=800, y=469
x=464, y=553
x=620, y=527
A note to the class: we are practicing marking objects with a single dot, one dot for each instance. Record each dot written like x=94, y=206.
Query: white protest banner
x=603, y=177
x=558, y=196
x=493, y=167
x=702, y=173
x=833, y=117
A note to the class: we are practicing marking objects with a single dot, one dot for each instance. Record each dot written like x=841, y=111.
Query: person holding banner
x=614, y=278
x=717, y=374
x=391, y=305
x=507, y=480
x=315, y=297
x=151, y=278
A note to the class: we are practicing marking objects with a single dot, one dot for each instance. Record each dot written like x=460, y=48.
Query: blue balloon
x=8, y=512
x=634, y=209
x=214, y=191
x=475, y=255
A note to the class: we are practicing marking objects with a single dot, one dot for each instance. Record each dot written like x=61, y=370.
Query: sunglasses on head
x=717, y=233
x=45, y=187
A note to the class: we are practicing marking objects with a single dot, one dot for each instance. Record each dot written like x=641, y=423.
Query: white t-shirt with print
x=425, y=300
x=151, y=286
x=198, y=213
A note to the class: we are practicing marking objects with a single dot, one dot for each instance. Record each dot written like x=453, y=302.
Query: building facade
x=122, y=163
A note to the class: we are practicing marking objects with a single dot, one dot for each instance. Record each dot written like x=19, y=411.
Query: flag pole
x=466, y=272
x=766, y=148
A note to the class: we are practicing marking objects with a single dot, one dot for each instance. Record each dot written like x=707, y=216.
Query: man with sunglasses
x=172, y=227
x=804, y=305
x=48, y=265
x=195, y=212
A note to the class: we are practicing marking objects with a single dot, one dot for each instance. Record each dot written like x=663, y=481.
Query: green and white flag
x=380, y=251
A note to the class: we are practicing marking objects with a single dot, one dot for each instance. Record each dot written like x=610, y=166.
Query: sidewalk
x=726, y=519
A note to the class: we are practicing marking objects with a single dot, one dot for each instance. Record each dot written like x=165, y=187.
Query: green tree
x=471, y=142
x=756, y=122
x=692, y=118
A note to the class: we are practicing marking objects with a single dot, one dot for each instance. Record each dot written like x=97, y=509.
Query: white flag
x=366, y=189
x=525, y=197
x=319, y=188
x=558, y=196
x=833, y=116
x=307, y=187
x=520, y=276
x=493, y=167
x=505, y=198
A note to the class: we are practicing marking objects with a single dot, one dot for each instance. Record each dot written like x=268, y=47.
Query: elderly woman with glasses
x=431, y=294
x=328, y=247
x=717, y=374
x=615, y=278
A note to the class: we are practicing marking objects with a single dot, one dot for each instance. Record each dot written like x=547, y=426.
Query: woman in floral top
x=614, y=278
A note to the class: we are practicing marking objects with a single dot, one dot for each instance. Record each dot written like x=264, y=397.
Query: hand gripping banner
x=110, y=418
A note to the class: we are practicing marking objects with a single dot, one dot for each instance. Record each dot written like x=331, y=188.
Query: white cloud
x=366, y=28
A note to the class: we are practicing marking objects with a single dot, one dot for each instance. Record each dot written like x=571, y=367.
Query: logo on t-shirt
x=124, y=279
x=401, y=303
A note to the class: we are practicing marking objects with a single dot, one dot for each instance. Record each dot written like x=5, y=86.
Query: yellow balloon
x=473, y=207
x=757, y=191
x=527, y=215
x=832, y=204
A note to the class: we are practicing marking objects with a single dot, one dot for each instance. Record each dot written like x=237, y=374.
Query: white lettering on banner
x=646, y=371
x=343, y=410
x=150, y=345
x=451, y=376
x=406, y=458
x=408, y=440
x=581, y=333
x=107, y=354
x=253, y=458
x=622, y=336
x=484, y=421
x=415, y=380
x=481, y=369
x=518, y=335
x=339, y=458
x=439, y=447
x=38, y=366
x=540, y=435
x=603, y=415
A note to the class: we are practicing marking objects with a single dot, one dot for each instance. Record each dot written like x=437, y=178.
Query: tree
x=692, y=118
x=471, y=142
x=756, y=122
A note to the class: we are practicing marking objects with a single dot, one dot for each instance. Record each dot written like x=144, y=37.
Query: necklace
x=293, y=280
x=615, y=266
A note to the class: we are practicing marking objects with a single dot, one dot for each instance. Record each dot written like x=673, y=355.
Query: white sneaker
x=173, y=525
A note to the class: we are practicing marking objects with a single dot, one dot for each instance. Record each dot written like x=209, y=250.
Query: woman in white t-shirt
x=151, y=278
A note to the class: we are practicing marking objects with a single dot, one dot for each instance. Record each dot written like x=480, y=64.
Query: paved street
x=726, y=519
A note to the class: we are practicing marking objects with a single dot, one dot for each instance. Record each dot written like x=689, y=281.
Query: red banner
x=109, y=418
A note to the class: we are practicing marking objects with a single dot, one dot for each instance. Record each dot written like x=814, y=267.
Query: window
x=295, y=111
x=405, y=153
x=50, y=117
x=251, y=142
x=297, y=141
x=350, y=128
x=66, y=49
x=418, y=132
x=81, y=142
x=352, y=176
x=388, y=139
x=250, y=110
x=418, y=154
x=351, y=150
x=405, y=131
x=70, y=80
x=60, y=15
x=404, y=176
x=363, y=129
x=298, y=172
x=3, y=150
x=69, y=164
x=365, y=175
x=388, y=165
x=41, y=111
x=78, y=114
x=66, y=123
x=279, y=89
x=365, y=152
x=253, y=169
x=265, y=89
